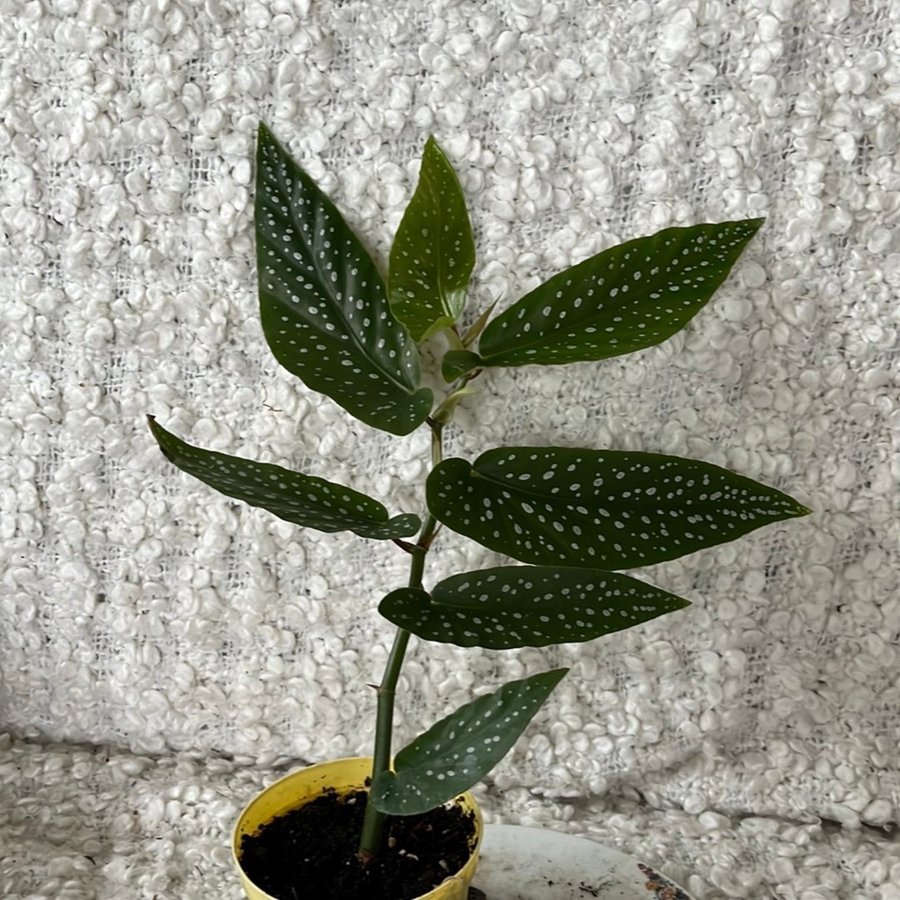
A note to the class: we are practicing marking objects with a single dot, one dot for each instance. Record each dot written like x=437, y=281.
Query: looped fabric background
x=165, y=652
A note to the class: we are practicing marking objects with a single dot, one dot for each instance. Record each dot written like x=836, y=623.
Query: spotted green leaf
x=626, y=298
x=527, y=606
x=433, y=253
x=462, y=748
x=601, y=509
x=301, y=499
x=323, y=303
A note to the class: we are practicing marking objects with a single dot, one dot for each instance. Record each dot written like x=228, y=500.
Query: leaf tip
x=162, y=438
x=756, y=223
x=155, y=428
x=432, y=146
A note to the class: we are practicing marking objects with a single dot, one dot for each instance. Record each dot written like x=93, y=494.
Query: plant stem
x=373, y=823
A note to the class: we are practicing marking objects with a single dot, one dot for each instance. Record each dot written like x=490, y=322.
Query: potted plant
x=572, y=518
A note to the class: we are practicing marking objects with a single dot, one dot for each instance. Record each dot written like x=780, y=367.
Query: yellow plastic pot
x=344, y=776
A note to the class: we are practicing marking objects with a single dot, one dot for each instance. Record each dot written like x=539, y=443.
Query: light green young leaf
x=462, y=748
x=301, y=499
x=323, y=303
x=626, y=298
x=527, y=606
x=434, y=252
x=603, y=509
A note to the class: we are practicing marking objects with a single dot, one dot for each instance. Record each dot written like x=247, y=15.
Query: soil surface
x=310, y=853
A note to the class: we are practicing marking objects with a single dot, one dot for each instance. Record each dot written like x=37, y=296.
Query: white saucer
x=535, y=864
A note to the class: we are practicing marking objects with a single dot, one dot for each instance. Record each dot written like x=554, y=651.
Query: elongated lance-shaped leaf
x=433, y=253
x=602, y=509
x=625, y=298
x=323, y=303
x=301, y=499
x=527, y=606
x=462, y=748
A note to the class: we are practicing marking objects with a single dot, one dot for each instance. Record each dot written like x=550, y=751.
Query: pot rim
x=323, y=771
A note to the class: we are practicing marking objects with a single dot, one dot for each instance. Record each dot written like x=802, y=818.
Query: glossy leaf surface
x=527, y=606
x=623, y=299
x=601, y=509
x=323, y=303
x=301, y=499
x=462, y=748
x=433, y=253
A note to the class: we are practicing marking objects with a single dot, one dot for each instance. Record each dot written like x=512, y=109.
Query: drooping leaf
x=301, y=499
x=323, y=303
x=602, y=509
x=527, y=606
x=625, y=298
x=462, y=748
x=433, y=253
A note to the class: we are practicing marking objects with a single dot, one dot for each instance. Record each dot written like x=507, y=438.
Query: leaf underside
x=625, y=298
x=301, y=499
x=433, y=253
x=601, y=509
x=462, y=748
x=527, y=606
x=323, y=303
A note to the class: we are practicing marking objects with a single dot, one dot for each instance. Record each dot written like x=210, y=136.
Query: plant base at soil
x=310, y=852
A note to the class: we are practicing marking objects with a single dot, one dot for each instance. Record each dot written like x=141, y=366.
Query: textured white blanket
x=748, y=745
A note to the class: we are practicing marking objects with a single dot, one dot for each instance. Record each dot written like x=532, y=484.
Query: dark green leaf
x=457, y=363
x=433, y=253
x=462, y=748
x=323, y=303
x=301, y=499
x=623, y=299
x=527, y=606
x=602, y=509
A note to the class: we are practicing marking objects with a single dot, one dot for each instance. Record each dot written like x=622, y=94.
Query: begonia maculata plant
x=571, y=519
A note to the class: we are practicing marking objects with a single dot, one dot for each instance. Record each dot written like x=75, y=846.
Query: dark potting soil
x=310, y=853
